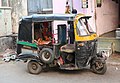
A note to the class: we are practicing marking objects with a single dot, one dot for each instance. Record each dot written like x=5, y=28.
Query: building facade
x=107, y=16
x=105, y=13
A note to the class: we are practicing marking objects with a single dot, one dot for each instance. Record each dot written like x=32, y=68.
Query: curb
x=113, y=63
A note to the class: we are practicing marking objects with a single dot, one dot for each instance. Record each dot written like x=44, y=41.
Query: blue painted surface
x=37, y=6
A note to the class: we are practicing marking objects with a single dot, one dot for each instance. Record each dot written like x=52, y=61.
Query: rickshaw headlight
x=78, y=48
x=92, y=43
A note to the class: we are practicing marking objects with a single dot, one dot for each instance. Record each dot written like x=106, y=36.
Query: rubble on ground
x=9, y=55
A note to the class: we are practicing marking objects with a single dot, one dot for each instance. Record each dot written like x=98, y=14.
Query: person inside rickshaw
x=42, y=34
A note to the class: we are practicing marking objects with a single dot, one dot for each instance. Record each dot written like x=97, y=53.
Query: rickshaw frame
x=84, y=47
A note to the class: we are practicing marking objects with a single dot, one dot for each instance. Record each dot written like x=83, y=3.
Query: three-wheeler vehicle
x=72, y=45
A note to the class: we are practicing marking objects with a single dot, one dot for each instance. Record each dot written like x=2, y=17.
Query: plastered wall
x=107, y=17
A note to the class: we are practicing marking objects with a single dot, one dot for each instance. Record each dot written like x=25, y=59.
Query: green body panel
x=27, y=44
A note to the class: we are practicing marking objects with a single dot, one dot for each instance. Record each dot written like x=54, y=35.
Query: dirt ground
x=115, y=57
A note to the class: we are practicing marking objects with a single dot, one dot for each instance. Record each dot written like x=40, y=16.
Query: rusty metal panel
x=5, y=21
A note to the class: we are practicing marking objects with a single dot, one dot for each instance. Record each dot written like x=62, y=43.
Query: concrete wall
x=107, y=16
x=19, y=9
x=6, y=43
x=5, y=21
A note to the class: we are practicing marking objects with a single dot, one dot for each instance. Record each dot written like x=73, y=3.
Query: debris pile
x=9, y=55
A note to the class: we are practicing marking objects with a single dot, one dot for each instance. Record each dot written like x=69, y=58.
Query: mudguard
x=98, y=59
x=27, y=56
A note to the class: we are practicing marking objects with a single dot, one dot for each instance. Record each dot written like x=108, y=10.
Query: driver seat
x=68, y=48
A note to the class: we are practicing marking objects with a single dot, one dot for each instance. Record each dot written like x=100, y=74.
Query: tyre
x=46, y=55
x=99, y=67
x=34, y=67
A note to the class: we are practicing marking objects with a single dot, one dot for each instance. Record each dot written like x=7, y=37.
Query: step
x=106, y=45
x=108, y=51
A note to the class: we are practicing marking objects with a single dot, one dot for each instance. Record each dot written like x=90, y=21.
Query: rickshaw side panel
x=25, y=31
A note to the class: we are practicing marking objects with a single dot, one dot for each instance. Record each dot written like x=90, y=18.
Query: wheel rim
x=46, y=56
x=99, y=66
x=34, y=66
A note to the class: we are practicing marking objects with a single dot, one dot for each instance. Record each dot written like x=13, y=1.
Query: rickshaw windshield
x=83, y=27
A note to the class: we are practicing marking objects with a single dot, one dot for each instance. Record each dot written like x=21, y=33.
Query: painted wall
x=5, y=21
x=87, y=11
x=0, y=3
x=107, y=17
x=77, y=4
x=58, y=8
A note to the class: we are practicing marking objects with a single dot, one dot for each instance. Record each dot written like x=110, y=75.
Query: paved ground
x=16, y=72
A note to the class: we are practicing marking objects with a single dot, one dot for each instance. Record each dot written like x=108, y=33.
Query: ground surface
x=16, y=72
x=115, y=57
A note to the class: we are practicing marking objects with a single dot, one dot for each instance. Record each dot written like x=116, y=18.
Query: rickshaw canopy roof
x=25, y=25
x=48, y=17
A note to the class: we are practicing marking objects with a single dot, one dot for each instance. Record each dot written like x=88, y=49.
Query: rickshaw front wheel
x=99, y=67
x=34, y=67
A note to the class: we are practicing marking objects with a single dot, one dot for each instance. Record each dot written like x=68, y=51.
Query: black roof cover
x=25, y=26
x=48, y=17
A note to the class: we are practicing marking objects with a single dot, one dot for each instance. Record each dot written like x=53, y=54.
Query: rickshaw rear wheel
x=99, y=67
x=34, y=67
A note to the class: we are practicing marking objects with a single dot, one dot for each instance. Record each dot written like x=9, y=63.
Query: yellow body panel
x=85, y=38
x=82, y=38
x=79, y=16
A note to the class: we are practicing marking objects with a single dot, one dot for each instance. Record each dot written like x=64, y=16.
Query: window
x=99, y=3
x=83, y=27
x=84, y=3
x=116, y=1
x=39, y=6
x=4, y=2
x=46, y=4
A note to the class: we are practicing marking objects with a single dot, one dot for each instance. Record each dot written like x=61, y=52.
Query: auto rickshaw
x=74, y=49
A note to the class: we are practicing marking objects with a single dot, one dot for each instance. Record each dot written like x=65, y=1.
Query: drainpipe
x=71, y=5
x=119, y=13
x=95, y=16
